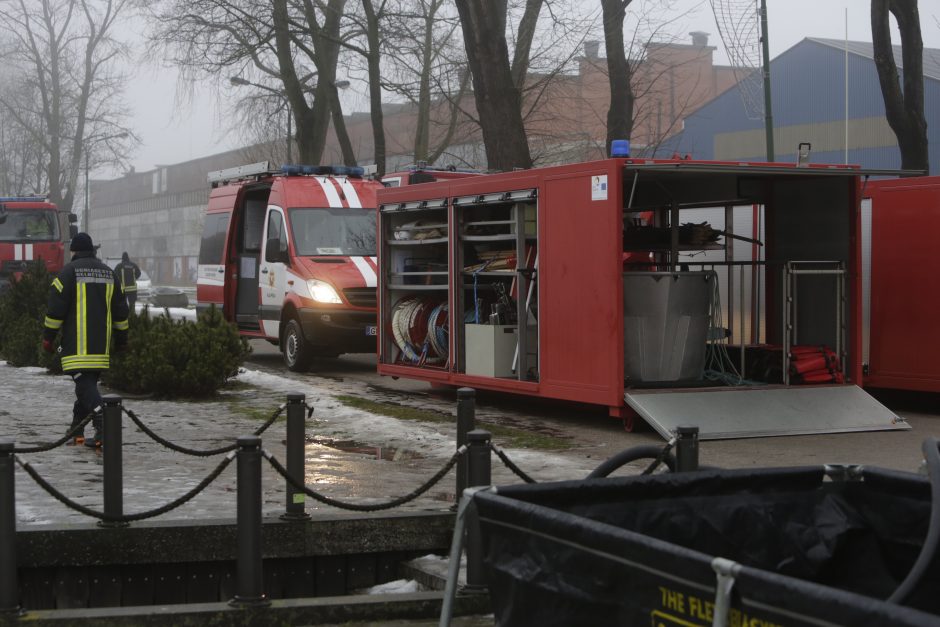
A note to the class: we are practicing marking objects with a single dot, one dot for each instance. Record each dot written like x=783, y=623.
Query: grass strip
x=503, y=436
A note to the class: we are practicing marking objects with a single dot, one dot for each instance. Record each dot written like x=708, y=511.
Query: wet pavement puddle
x=370, y=451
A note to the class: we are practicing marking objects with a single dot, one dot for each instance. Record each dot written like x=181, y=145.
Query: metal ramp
x=754, y=412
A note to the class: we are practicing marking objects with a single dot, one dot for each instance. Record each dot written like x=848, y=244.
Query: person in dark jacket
x=86, y=304
x=128, y=272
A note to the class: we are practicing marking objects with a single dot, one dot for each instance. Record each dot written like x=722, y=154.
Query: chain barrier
x=197, y=453
x=78, y=507
x=660, y=458
x=278, y=467
x=358, y=507
x=510, y=465
x=42, y=448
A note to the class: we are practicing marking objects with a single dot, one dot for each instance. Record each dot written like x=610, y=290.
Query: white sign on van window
x=248, y=268
x=599, y=187
x=329, y=251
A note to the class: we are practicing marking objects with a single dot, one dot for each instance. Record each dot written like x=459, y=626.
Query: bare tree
x=287, y=48
x=904, y=109
x=497, y=93
x=65, y=95
x=426, y=67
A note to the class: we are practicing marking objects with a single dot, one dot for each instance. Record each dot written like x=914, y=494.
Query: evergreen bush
x=22, y=311
x=176, y=358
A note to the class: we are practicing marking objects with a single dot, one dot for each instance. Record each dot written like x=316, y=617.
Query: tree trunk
x=620, y=113
x=311, y=121
x=373, y=59
x=904, y=110
x=498, y=99
x=339, y=126
x=524, y=37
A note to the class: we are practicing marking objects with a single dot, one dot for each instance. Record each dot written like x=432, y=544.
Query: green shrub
x=176, y=358
x=22, y=311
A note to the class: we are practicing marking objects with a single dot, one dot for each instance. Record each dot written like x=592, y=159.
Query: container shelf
x=417, y=287
x=494, y=238
x=416, y=242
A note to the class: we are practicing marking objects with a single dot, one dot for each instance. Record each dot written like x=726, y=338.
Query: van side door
x=273, y=277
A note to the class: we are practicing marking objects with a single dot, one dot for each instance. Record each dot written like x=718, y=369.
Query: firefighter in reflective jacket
x=87, y=305
x=128, y=272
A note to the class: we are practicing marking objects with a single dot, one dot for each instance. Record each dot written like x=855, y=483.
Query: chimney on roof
x=699, y=38
x=590, y=48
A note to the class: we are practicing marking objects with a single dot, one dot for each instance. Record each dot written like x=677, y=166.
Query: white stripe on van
x=29, y=252
x=351, y=196
x=365, y=270
x=332, y=196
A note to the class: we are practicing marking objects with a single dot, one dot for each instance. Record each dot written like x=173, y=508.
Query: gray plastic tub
x=665, y=325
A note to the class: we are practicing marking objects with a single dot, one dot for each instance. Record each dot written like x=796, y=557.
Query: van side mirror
x=73, y=218
x=275, y=251
x=73, y=230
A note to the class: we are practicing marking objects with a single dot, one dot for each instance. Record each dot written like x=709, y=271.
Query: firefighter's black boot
x=78, y=437
x=97, y=421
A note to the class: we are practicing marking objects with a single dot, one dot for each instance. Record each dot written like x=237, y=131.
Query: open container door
x=801, y=291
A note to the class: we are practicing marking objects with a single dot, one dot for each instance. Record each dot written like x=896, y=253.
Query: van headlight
x=322, y=292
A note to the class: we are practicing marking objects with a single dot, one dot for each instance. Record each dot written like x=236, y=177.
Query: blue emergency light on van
x=322, y=170
x=22, y=199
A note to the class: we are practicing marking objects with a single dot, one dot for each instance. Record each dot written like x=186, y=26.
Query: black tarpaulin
x=638, y=550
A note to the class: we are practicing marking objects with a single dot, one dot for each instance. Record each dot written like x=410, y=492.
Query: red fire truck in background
x=32, y=230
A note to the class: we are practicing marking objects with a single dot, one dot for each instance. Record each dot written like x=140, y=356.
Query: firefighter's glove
x=48, y=346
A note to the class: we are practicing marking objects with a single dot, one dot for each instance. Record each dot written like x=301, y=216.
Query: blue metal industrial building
x=808, y=86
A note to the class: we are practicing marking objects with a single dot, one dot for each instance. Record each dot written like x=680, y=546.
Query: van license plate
x=371, y=329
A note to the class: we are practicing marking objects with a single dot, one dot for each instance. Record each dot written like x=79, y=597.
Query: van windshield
x=29, y=225
x=345, y=232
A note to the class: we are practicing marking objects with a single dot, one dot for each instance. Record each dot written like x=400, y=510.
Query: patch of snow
x=399, y=586
x=173, y=313
x=350, y=421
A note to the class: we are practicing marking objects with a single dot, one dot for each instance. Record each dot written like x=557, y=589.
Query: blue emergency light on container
x=620, y=148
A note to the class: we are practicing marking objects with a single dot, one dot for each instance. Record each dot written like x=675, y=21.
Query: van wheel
x=294, y=347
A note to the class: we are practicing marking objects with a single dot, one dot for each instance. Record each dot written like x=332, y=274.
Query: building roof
x=866, y=49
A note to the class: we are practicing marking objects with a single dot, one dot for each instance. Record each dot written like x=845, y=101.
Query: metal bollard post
x=249, y=584
x=296, y=461
x=479, y=471
x=113, y=461
x=466, y=419
x=686, y=448
x=9, y=586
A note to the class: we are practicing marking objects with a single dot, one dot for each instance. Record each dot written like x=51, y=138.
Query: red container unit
x=901, y=220
x=650, y=287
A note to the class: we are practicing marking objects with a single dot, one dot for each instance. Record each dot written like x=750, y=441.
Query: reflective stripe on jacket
x=86, y=304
